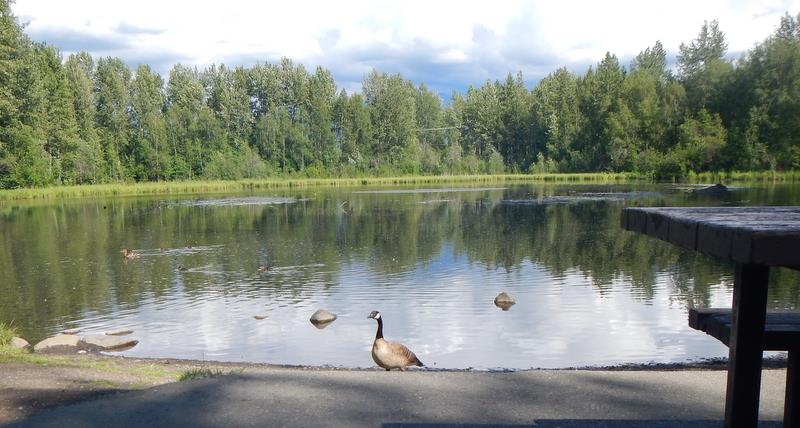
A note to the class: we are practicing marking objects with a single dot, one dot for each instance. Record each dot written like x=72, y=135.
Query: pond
x=236, y=277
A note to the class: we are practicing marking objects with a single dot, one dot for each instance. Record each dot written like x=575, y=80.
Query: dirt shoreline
x=27, y=388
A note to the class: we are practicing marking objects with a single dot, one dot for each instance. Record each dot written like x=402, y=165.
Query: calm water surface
x=430, y=259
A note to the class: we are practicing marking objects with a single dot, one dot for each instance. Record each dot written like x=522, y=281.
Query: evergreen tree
x=703, y=67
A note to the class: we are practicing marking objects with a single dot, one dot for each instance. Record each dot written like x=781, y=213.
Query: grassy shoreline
x=196, y=187
x=200, y=187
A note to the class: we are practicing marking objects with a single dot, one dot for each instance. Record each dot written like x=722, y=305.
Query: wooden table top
x=768, y=236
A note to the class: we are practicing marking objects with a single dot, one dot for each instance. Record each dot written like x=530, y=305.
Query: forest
x=85, y=120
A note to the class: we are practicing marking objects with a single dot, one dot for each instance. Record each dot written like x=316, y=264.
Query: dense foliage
x=92, y=120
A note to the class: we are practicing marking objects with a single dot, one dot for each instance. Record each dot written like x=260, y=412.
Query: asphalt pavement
x=286, y=397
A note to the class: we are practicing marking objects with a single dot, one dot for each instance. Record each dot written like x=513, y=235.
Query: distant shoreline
x=219, y=186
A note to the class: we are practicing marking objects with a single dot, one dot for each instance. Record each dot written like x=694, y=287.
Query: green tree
x=112, y=93
x=187, y=118
x=393, y=109
x=557, y=119
x=702, y=140
x=515, y=144
x=430, y=133
x=600, y=99
x=703, y=68
x=229, y=99
x=482, y=124
x=148, y=147
x=87, y=159
x=322, y=93
x=56, y=122
x=652, y=60
x=353, y=130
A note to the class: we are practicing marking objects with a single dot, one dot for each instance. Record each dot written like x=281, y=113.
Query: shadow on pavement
x=588, y=423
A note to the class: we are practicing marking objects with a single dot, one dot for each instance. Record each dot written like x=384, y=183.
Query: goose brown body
x=390, y=355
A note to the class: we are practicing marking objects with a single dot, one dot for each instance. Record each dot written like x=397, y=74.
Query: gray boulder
x=322, y=318
x=58, y=344
x=19, y=343
x=101, y=342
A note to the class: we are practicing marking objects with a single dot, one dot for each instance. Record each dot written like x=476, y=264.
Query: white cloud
x=443, y=43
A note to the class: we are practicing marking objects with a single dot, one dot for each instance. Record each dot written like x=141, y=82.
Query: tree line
x=93, y=120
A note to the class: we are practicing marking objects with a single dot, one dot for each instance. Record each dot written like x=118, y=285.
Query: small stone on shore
x=259, y=317
x=71, y=331
x=118, y=332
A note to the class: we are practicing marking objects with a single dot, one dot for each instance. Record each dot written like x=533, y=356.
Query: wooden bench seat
x=781, y=333
x=781, y=330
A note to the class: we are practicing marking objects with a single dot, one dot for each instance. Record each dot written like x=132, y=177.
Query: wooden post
x=791, y=407
x=747, y=337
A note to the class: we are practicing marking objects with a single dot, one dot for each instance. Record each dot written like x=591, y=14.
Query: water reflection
x=586, y=292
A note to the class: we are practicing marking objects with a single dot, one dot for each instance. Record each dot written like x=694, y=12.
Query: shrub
x=7, y=332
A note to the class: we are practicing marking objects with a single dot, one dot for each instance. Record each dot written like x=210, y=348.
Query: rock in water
x=504, y=301
x=101, y=342
x=60, y=343
x=118, y=332
x=19, y=343
x=717, y=189
x=322, y=318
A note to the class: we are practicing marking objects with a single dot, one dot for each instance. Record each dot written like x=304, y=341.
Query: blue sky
x=448, y=45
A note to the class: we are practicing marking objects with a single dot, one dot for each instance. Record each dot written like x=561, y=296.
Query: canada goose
x=263, y=269
x=390, y=355
x=129, y=254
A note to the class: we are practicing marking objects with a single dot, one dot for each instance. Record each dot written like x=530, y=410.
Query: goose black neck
x=379, y=334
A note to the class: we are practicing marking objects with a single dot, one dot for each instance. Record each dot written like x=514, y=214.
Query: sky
x=448, y=45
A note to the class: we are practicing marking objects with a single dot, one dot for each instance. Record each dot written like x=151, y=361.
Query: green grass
x=199, y=187
x=104, y=383
x=7, y=332
x=199, y=374
x=741, y=176
x=145, y=372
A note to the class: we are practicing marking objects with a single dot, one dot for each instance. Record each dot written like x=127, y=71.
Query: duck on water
x=390, y=355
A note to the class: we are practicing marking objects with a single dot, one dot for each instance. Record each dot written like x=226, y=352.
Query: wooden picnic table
x=755, y=238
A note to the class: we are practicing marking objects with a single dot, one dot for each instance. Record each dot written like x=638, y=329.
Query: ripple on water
x=441, y=190
x=238, y=202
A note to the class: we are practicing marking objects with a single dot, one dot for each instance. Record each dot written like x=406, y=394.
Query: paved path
x=315, y=398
